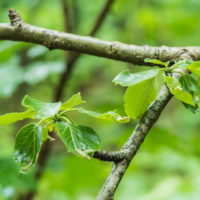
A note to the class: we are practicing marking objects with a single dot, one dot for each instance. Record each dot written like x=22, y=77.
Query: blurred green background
x=167, y=167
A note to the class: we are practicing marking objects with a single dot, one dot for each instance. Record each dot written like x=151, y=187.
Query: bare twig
x=101, y=17
x=73, y=57
x=70, y=60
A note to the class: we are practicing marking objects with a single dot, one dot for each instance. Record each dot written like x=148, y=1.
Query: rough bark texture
x=133, y=144
x=88, y=45
x=20, y=31
x=115, y=156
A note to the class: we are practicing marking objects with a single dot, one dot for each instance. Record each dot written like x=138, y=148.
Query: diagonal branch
x=73, y=57
x=67, y=18
x=19, y=31
x=101, y=17
x=133, y=144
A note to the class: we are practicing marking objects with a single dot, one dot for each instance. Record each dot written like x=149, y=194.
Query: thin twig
x=100, y=19
x=66, y=16
x=115, y=156
x=73, y=57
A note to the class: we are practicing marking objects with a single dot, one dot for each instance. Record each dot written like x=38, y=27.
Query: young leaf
x=183, y=63
x=110, y=116
x=138, y=97
x=71, y=102
x=125, y=78
x=42, y=109
x=193, y=109
x=45, y=133
x=194, y=67
x=190, y=85
x=156, y=62
x=175, y=88
x=78, y=139
x=27, y=146
x=14, y=117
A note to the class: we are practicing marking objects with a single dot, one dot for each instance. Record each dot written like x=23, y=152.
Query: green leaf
x=138, y=97
x=190, y=85
x=78, y=139
x=27, y=146
x=42, y=109
x=176, y=89
x=193, y=109
x=71, y=102
x=156, y=62
x=194, y=67
x=14, y=117
x=110, y=116
x=45, y=133
x=183, y=63
x=126, y=78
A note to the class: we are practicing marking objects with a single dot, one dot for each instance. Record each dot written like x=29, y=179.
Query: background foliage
x=167, y=165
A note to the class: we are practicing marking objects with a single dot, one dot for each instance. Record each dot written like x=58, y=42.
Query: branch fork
x=114, y=50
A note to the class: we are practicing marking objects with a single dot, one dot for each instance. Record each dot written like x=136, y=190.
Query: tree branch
x=115, y=156
x=101, y=17
x=67, y=18
x=20, y=31
x=133, y=144
x=70, y=60
x=73, y=57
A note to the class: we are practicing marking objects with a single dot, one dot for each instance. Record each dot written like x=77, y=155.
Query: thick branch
x=88, y=45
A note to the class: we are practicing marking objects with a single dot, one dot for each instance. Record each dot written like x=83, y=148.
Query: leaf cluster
x=143, y=87
x=52, y=117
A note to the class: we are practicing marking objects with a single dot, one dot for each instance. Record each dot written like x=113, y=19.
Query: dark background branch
x=70, y=60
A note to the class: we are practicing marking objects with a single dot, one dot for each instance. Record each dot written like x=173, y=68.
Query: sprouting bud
x=15, y=18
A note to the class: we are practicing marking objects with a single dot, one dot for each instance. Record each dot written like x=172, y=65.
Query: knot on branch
x=114, y=48
x=15, y=18
x=184, y=54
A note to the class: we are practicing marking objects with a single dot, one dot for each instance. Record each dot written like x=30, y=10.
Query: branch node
x=115, y=156
x=184, y=53
x=15, y=18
